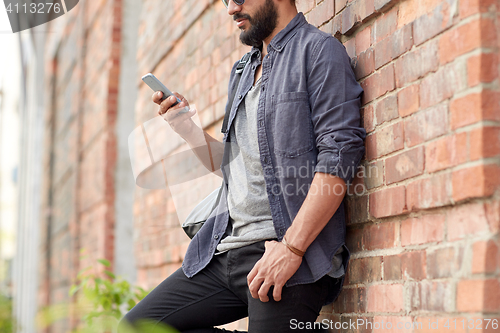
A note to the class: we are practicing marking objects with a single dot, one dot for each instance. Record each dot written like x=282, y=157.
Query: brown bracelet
x=292, y=248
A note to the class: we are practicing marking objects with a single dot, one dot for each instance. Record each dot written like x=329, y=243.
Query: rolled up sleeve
x=335, y=103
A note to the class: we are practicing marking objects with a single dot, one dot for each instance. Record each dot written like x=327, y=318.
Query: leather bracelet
x=292, y=248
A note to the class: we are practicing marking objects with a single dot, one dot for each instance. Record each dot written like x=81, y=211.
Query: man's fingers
x=253, y=273
x=167, y=104
x=157, y=97
x=255, y=286
x=174, y=114
x=277, y=292
x=263, y=291
x=176, y=94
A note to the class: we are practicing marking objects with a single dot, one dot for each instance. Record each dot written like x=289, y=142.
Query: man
x=274, y=248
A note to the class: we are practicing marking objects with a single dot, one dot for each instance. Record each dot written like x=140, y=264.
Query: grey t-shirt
x=247, y=200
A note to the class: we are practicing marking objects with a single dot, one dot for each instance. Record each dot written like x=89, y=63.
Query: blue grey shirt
x=308, y=121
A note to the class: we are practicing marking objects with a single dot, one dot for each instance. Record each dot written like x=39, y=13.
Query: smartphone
x=156, y=85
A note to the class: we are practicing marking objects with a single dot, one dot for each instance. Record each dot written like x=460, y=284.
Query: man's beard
x=262, y=24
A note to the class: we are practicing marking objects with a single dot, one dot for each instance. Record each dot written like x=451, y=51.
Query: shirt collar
x=279, y=41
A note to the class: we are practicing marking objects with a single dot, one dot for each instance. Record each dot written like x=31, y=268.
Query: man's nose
x=233, y=8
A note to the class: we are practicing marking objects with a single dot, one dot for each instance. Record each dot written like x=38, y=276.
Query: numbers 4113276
x=35, y=8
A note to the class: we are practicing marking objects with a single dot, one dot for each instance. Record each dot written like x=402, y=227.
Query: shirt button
x=239, y=96
x=261, y=123
x=216, y=236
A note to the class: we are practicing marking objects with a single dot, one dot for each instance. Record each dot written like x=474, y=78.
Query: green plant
x=101, y=299
x=6, y=319
x=105, y=296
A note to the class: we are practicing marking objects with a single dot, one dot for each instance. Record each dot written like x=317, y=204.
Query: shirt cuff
x=342, y=162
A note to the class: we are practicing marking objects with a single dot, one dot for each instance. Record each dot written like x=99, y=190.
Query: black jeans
x=219, y=294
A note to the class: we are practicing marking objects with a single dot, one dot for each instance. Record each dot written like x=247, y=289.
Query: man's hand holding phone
x=175, y=113
x=174, y=108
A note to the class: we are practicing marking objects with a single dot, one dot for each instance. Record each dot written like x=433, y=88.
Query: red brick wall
x=424, y=212
x=424, y=237
x=82, y=75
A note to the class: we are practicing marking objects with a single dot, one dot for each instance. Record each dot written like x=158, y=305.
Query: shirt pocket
x=293, y=132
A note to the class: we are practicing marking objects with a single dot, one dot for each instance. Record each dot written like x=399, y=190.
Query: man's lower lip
x=240, y=23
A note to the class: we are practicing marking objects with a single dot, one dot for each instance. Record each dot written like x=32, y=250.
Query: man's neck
x=283, y=20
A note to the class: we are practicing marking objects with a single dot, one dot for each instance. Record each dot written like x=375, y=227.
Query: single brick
x=368, y=118
x=446, y=152
x=372, y=237
x=482, y=68
x=336, y=25
x=492, y=209
x=363, y=40
x=321, y=13
x=473, y=108
x=392, y=267
x=474, y=182
x=385, y=141
x=374, y=174
x=388, y=202
x=405, y=165
x=430, y=295
x=351, y=300
x=365, y=270
x=428, y=192
x=402, y=41
x=365, y=64
x=385, y=25
x=350, y=47
x=484, y=142
x=437, y=87
x=423, y=229
x=408, y=100
x=383, y=52
x=378, y=84
x=485, y=257
x=426, y=125
x=385, y=298
x=339, y=5
x=444, y=262
x=465, y=220
x=354, y=238
x=483, y=299
x=417, y=63
x=357, y=209
x=413, y=265
x=387, y=109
